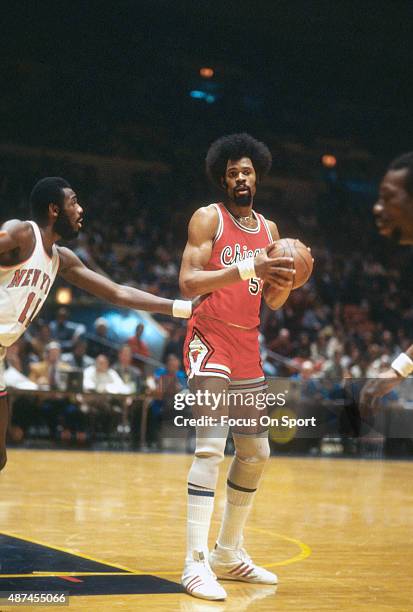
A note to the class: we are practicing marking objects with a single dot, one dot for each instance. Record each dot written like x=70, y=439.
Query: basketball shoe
x=236, y=564
x=199, y=580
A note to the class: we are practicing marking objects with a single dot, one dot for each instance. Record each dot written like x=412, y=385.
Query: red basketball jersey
x=238, y=303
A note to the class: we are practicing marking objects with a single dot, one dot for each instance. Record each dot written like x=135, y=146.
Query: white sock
x=200, y=508
x=237, y=508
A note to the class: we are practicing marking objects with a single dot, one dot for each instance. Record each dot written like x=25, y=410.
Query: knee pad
x=209, y=453
x=252, y=449
x=251, y=455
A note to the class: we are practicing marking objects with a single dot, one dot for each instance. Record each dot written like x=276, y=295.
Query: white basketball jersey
x=24, y=289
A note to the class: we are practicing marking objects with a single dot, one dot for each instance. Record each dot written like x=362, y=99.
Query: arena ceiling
x=305, y=69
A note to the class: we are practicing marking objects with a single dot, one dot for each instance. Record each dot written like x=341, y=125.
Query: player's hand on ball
x=278, y=271
x=301, y=254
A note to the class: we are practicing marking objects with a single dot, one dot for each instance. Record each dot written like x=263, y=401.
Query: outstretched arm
x=375, y=388
x=194, y=280
x=76, y=273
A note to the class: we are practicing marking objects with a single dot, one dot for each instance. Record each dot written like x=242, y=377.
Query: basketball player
x=226, y=261
x=30, y=262
x=394, y=219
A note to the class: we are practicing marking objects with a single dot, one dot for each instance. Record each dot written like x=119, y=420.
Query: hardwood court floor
x=339, y=533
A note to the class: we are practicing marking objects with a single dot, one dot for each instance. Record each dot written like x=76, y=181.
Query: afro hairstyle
x=234, y=147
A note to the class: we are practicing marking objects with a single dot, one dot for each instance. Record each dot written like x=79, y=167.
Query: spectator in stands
x=306, y=371
x=169, y=380
x=282, y=343
x=39, y=338
x=103, y=331
x=374, y=355
x=130, y=375
x=175, y=343
x=389, y=344
x=335, y=341
x=310, y=384
x=104, y=340
x=13, y=356
x=78, y=358
x=314, y=318
x=47, y=373
x=333, y=368
x=138, y=346
x=13, y=375
x=132, y=378
x=108, y=413
x=357, y=365
x=165, y=268
x=25, y=411
x=64, y=331
x=318, y=351
x=102, y=378
x=303, y=347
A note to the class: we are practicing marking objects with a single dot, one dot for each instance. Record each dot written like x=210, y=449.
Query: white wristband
x=403, y=365
x=182, y=309
x=246, y=268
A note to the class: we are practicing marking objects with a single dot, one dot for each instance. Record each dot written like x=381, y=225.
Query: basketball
x=303, y=260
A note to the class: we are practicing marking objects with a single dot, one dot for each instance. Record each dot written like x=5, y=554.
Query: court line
x=305, y=550
x=69, y=551
x=59, y=574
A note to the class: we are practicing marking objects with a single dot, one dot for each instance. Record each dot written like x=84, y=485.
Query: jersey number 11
x=24, y=319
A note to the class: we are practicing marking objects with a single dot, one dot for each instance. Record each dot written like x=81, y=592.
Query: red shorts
x=214, y=348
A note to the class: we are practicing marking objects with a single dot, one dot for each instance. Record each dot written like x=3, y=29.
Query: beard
x=64, y=228
x=244, y=199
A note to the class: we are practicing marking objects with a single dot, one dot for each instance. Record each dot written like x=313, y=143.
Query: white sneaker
x=235, y=564
x=200, y=581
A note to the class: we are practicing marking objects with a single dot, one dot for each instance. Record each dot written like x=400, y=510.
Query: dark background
x=114, y=80
x=80, y=74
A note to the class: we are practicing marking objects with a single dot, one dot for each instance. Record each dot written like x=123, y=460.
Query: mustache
x=237, y=190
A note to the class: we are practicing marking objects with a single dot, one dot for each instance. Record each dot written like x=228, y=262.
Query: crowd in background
x=348, y=321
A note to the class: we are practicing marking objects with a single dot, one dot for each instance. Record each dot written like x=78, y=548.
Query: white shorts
x=2, y=368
